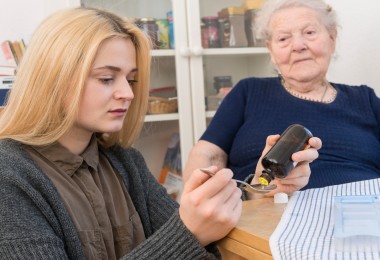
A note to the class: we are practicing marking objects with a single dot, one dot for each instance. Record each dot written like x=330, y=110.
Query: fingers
x=271, y=140
x=296, y=180
x=315, y=142
x=231, y=210
x=299, y=176
x=205, y=187
x=227, y=201
x=197, y=178
x=210, y=206
x=310, y=154
x=307, y=155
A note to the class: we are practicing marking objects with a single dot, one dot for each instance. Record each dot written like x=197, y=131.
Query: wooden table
x=250, y=238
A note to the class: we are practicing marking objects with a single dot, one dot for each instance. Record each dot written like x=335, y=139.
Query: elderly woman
x=301, y=38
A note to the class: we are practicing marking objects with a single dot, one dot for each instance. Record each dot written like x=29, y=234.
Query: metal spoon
x=258, y=188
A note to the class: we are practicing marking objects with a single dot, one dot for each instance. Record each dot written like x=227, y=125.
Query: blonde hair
x=325, y=12
x=54, y=71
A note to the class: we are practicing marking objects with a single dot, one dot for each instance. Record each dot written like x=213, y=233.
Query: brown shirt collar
x=66, y=160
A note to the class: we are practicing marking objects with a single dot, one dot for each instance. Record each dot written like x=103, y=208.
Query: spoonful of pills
x=258, y=188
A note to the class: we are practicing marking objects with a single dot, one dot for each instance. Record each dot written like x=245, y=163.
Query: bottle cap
x=281, y=197
x=265, y=178
x=263, y=181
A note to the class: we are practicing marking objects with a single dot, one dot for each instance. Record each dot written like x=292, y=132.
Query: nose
x=299, y=43
x=124, y=91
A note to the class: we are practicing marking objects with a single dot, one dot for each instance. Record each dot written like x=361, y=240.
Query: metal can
x=163, y=29
x=169, y=15
x=149, y=26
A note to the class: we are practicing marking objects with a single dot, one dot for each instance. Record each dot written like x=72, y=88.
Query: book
x=9, y=53
x=171, y=173
x=22, y=45
x=7, y=70
x=6, y=83
x=18, y=51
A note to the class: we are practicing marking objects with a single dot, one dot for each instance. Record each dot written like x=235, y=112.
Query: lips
x=119, y=110
x=301, y=60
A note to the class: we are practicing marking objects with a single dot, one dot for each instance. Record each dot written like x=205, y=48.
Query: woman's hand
x=299, y=176
x=210, y=206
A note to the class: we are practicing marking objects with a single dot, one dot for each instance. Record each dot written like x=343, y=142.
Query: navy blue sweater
x=349, y=128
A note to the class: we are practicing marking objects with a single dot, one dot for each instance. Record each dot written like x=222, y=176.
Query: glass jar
x=210, y=32
x=232, y=22
x=251, y=8
x=169, y=16
x=150, y=27
x=222, y=82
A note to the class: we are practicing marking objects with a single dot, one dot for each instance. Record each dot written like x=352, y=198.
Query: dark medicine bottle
x=277, y=162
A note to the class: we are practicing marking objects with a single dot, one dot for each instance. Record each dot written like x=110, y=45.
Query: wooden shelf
x=235, y=51
x=216, y=51
x=161, y=117
x=210, y=114
x=163, y=53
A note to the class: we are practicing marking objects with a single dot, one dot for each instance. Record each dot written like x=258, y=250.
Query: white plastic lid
x=281, y=197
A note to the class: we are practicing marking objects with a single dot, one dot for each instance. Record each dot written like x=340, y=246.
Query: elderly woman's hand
x=299, y=176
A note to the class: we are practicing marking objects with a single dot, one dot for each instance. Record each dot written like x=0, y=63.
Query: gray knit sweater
x=34, y=223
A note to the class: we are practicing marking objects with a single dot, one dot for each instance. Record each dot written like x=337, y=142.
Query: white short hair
x=325, y=12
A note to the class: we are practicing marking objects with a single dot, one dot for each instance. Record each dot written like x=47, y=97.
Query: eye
x=132, y=82
x=310, y=32
x=282, y=38
x=106, y=81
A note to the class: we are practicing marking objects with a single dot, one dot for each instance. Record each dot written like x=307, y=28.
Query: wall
x=358, y=52
x=357, y=56
x=19, y=18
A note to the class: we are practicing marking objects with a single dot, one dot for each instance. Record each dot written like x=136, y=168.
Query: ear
x=333, y=36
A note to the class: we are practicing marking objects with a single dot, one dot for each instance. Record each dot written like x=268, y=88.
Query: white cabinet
x=205, y=64
x=189, y=67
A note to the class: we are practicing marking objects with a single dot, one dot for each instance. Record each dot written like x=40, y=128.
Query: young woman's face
x=108, y=92
x=300, y=45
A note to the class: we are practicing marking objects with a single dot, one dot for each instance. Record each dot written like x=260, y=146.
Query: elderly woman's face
x=300, y=44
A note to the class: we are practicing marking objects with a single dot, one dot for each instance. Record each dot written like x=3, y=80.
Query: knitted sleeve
x=33, y=221
x=167, y=236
